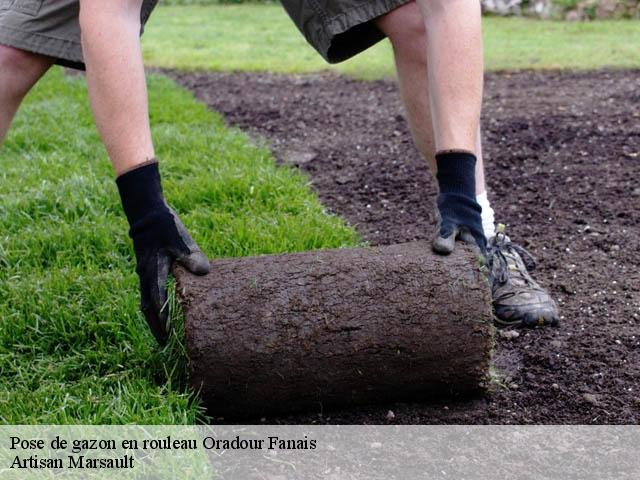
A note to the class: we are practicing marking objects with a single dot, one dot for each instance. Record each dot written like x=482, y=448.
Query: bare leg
x=116, y=79
x=19, y=72
x=454, y=51
x=514, y=304
x=406, y=30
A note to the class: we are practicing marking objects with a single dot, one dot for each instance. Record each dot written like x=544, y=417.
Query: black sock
x=150, y=220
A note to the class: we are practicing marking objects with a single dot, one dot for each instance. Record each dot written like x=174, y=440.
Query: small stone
x=297, y=157
x=376, y=445
x=509, y=334
x=555, y=386
x=390, y=415
x=591, y=398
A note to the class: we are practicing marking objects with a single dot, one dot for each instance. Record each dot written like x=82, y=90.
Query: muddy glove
x=159, y=238
x=459, y=215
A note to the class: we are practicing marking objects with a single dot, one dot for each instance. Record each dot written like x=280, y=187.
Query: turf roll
x=322, y=329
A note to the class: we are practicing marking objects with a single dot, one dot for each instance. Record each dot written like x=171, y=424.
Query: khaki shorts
x=339, y=29
x=49, y=27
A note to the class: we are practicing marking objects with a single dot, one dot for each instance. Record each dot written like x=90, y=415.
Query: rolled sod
x=322, y=329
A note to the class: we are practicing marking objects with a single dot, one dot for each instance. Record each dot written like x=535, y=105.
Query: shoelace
x=497, y=256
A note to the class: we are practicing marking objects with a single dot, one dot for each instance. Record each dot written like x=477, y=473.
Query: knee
x=15, y=60
x=17, y=68
x=406, y=30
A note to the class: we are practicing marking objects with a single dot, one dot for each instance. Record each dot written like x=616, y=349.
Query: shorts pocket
x=28, y=7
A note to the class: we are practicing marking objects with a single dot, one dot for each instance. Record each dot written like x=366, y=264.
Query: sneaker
x=518, y=300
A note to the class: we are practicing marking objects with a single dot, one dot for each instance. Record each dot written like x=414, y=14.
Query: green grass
x=73, y=346
x=262, y=38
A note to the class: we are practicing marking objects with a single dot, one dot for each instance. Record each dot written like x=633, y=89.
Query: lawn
x=73, y=346
x=261, y=37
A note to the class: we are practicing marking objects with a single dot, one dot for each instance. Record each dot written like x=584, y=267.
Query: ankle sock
x=488, y=215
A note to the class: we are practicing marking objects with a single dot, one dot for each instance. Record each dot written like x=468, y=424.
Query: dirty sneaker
x=518, y=300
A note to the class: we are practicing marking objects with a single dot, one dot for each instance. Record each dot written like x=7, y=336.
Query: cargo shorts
x=49, y=27
x=340, y=29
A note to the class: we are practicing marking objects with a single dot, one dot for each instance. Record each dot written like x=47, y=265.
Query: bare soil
x=562, y=153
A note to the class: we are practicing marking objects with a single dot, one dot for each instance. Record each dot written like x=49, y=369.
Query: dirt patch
x=563, y=156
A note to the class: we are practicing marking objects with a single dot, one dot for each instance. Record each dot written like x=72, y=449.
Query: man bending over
x=104, y=36
x=443, y=106
x=437, y=46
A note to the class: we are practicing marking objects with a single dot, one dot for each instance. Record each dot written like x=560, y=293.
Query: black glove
x=459, y=214
x=159, y=238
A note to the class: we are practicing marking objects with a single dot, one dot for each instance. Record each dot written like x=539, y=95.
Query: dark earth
x=562, y=152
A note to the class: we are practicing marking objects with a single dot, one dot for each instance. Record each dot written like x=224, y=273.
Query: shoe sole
x=527, y=322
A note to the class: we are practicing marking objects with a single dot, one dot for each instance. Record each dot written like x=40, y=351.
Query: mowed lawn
x=262, y=38
x=73, y=346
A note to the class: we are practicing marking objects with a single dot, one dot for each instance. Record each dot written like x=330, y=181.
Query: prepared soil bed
x=562, y=153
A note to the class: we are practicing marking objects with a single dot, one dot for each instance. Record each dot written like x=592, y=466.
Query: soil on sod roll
x=563, y=161
x=279, y=334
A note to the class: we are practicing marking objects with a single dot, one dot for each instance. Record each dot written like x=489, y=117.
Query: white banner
x=321, y=452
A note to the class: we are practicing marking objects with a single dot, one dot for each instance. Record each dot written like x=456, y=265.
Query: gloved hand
x=459, y=214
x=159, y=238
x=458, y=218
x=164, y=240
